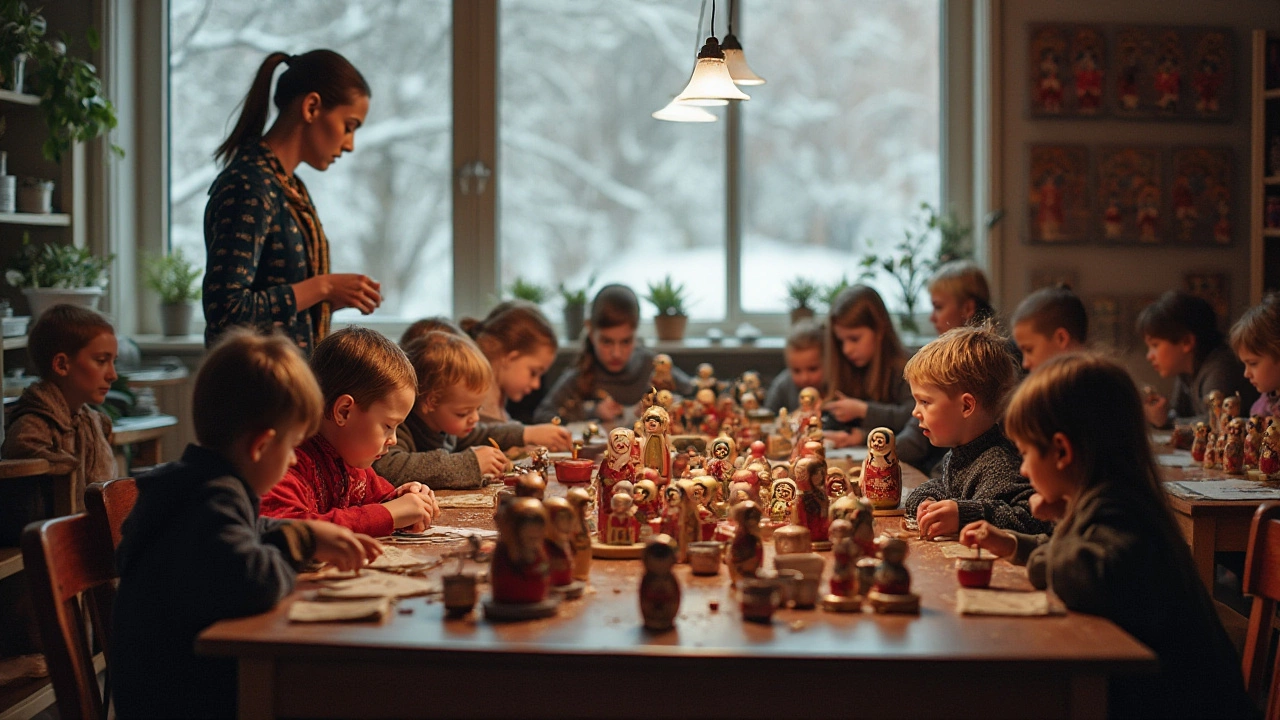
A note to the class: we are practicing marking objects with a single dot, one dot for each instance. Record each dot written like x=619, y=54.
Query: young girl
x=612, y=373
x=803, y=355
x=1256, y=339
x=520, y=345
x=864, y=368
x=959, y=293
x=1116, y=551
x=1184, y=343
x=426, y=325
x=369, y=388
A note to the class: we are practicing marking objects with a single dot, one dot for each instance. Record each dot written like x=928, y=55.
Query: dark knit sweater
x=982, y=476
x=440, y=461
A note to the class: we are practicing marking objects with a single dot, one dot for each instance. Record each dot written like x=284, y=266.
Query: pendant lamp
x=711, y=84
x=733, y=57
x=677, y=112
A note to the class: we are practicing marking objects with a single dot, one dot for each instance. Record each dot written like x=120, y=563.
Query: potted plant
x=49, y=274
x=801, y=293
x=177, y=280
x=35, y=196
x=21, y=32
x=71, y=98
x=575, y=307
x=668, y=298
x=522, y=289
x=830, y=292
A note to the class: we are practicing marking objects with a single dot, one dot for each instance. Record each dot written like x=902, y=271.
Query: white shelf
x=19, y=98
x=47, y=219
x=15, y=343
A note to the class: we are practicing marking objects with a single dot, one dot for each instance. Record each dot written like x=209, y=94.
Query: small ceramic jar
x=792, y=539
x=459, y=593
x=704, y=557
x=760, y=597
x=973, y=572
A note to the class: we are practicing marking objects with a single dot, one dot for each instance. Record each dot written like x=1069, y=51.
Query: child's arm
x=932, y=489
x=294, y=497
x=507, y=435
x=1084, y=569
x=438, y=469
x=684, y=383
x=562, y=400
x=555, y=437
x=1005, y=504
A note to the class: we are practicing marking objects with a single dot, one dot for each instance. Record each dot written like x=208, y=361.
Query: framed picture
x=1135, y=67
x=1212, y=286
x=1104, y=322
x=1046, y=58
x=1212, y=75
x=1059, y=207
x=1088, y=71
x=1169, y=73
x=1053, y=277
x=1178, y=73
x=1201, y=196
x=1129, y=193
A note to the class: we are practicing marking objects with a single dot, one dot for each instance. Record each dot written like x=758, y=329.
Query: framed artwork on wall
x=1201, y=195
x=1104, y=322
x=1212, y=286
x=1212, y=94
x=1048, y=69
x=1068, y=70
x=1088, y=69
x=1135, y=64
x=1129, y=193
x=1059, y=207
x=1052, y=277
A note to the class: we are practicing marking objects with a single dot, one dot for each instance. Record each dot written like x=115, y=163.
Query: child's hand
x=491, y=459
x=988, y=537
x=1156, y=408
x=844, y=408
x=940, y=518
x=1044, y=510
x=609, y=409
x=409, y=511
x=555, y=437
x=342, y=548
x=423, y=491
x=845, y=439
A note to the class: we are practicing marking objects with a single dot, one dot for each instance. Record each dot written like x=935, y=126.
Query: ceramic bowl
x=574, y=472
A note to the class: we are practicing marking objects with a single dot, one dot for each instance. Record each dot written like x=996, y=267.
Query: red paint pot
x=573, y=472
x=973, y=572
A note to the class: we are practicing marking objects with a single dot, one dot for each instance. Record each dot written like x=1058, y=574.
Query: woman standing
x=268, y=257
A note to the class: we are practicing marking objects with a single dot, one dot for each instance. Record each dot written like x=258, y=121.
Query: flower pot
x=15, y=81
x=175, y=319
x=670, y=327
x=41, y=299
x=573, y=317
x=801, y=314
x=35, y=196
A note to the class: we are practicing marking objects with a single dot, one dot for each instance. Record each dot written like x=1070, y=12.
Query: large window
x=386, y=208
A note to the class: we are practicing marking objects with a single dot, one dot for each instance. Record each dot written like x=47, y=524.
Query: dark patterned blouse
x=255, y=252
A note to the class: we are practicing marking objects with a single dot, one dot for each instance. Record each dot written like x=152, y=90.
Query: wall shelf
x=15, y=343
x=10, y=561
x=1271, y=94
x=19, y=98
x=46, y=219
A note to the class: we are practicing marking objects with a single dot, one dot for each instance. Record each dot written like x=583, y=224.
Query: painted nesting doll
x=657, y=444
x=881, y=473
x=659, y=590
x=519, y=571
x=783, y=496
x=746, y=551
x=1213, y=404
x=647, y=504
x=844, y=555
x=1201, y=441
x=679, y=519
x=1269, y=455
x=1233, y=448
x=1230, y=411
x=621, y=462
x=662, y=378
x=720, y=457
x=810, y=475
x=1253, y=440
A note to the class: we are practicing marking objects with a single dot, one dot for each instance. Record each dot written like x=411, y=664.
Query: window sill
x=169, y=344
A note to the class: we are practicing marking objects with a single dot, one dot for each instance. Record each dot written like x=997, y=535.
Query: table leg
x=148, y=453
x=257, y=689
x=1204, y=530
x=1088, y=697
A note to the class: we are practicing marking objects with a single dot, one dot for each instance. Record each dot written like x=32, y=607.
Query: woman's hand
x=352, y=290
x=341, y=547
x=556, y=438
x=844, y=408
x=988, y=537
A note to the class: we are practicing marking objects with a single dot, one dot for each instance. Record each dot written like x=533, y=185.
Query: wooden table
x=594, y=659
x=145, y=432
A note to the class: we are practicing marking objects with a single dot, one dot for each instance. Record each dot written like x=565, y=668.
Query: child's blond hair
x=974, y=360
x=426, y=325
x=963, y=280
x=63, y=329
x=250, y=383
x=444, y=360
x=806, y=335
x=362, y=363
x=1258, y=330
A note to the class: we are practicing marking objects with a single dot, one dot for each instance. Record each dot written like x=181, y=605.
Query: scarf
x=77, y=444
x=298, y=200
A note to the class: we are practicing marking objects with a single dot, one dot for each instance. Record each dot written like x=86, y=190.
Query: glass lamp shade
x=737, y=63
x=711, y=83
x=676, y=112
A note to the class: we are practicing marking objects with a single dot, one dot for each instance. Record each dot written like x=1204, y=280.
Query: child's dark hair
x=1048, y=309
x=250, y=383
x=613, y=306
x=805, y=335
x=1258, y=330
x=362, y=363
x=436, y=323
x=63, y=329
x=323, y=72
x=861, y=306
x=1177, y=314
x=512, y=326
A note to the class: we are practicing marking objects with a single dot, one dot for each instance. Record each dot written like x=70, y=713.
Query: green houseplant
x=522, y=289
x=828, y=293
x=50, y=273
x=21, y=32
x=72, y=98
x=802, y=293
x=176, y=280
x=668, y=299
x=575, y=307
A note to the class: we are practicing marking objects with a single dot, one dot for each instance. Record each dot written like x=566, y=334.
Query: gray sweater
x=893, y=413
x=627, y=387
x=1221, y=370
x=439, y=461
x=983, y=477
x=783, y=393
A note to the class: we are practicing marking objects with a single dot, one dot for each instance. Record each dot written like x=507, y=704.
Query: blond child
x=1049, y=322
x=804, y=357
x=443, y=444
x=960, y=296
x=1183, y=342
x=369, y=388
x=863, y=367
x=1116, y=552
x=194, y=549
x=960, y=382
x=426, y=325
x=1256, y=340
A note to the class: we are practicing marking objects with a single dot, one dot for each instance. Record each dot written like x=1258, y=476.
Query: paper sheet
x=1230, y=489
x=1175, y=458
x=344, y=611
x=971, y=601
x=376, y=585
x=439, y=534
x=470, y=500
x=954, y=550
x=394, y=557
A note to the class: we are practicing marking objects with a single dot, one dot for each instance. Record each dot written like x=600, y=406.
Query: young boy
x=1184, y=343
x=803, y=355
x=74, y=351
x=1048, y=322
x=195, y=550
x=1256, y=340
x=443, y=444
x=960, y=382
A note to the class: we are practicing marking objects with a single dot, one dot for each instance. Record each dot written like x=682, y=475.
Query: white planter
x=41, y=299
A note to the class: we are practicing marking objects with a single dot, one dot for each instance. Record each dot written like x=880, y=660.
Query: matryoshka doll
x=659, y=591
x=678, y=517
x=720, y=457
x=837, y=484
x=881, y=473
x=746, y=550
x=1201, y=441
x=1233, y=448
x=1269, y=455
x=621, y=527
x=1211, y=447
x=557, y=543
x=810, y=510
x=645, y=497
x=662, y=378
x=783, y=494
x=810, y=407
x=621, y=462
x=1213, y=404
x=710, y=507
x=844, y=556
x=580, y=539
x=891, y=591
x=1230, y=411
x=519, y=570
x=1253, y=441
x=657, y=445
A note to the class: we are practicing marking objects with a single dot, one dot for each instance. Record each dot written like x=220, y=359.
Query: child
x=611, y=374
x=520, y=345
x=804, y=358
x=959, y=293
x=1049, y=322
x=369, y=388
x=1256, y=339
x=960, y=382
x=442, y=444
x=864, y=368
x=74, y=351
x=1183, y=342
x=1116, y=552
x=194, y=549
x=426, y=325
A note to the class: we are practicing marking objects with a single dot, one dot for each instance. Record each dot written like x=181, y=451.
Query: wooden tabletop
x=25, y=467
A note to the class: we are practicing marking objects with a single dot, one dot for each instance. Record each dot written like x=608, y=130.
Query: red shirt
x=322, y=486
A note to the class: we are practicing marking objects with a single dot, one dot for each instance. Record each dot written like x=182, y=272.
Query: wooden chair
x=65, y=557
x=110, y=503
x=1262, y=581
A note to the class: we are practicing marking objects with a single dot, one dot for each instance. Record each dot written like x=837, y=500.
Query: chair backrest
x=65, y=557
x=1262, y=581
x=110, y=502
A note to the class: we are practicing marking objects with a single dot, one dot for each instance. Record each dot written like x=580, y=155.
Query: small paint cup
x=571, y=471
x=704, y=557
x=973, y=572
x=760, y=597
x=459, y=593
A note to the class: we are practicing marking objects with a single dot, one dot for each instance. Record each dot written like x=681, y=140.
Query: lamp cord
x=697, y=35
x=713, y=18
x=732, y=5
